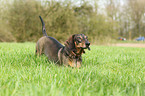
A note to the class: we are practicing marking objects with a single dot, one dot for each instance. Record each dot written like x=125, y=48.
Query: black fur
x=43, y=27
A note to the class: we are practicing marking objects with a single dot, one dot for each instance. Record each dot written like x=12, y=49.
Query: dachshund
x=69, y=55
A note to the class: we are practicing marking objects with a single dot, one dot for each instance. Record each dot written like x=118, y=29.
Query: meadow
x=106, y=71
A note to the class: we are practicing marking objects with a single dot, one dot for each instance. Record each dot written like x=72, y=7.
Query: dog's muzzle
x=87, y=45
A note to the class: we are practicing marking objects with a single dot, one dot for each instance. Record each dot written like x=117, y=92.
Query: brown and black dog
x=68, y=55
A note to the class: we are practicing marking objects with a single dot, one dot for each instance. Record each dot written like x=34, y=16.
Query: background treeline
x=19, y=19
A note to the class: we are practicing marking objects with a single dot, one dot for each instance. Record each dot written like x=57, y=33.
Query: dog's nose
x=87, y=43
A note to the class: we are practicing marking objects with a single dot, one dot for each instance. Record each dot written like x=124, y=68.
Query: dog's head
x=78, y=41
x=76, y=45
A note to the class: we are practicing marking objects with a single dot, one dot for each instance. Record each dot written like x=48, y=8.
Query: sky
x=101, y=3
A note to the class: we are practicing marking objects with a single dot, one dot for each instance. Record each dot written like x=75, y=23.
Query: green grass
x=106, y=71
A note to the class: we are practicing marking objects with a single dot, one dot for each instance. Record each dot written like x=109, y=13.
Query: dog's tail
x=43, y=27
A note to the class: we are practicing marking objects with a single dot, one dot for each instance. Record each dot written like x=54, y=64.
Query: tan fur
x=55, y=52
x=68, y=55
x=68, y=61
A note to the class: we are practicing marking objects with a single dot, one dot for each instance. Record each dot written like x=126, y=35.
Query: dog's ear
x=70, y=42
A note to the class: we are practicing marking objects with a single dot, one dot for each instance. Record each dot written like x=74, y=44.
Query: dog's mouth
x=87, y=47
x=84, y=46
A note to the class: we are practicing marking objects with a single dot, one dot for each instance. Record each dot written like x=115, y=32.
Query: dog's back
x=49, y=46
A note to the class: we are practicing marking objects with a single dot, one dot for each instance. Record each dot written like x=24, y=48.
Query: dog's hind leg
x=38, y=51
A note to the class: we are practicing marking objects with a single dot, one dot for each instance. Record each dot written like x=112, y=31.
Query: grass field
x=106, y=71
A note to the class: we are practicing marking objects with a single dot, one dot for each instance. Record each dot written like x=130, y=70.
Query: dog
x=68, y=55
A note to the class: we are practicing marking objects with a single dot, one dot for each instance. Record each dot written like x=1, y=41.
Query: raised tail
x=43, y=27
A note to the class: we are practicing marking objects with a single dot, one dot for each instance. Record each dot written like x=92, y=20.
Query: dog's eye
x=79, y=40
x=86, y=37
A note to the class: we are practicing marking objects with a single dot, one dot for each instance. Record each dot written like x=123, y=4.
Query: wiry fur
x=69, y=54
